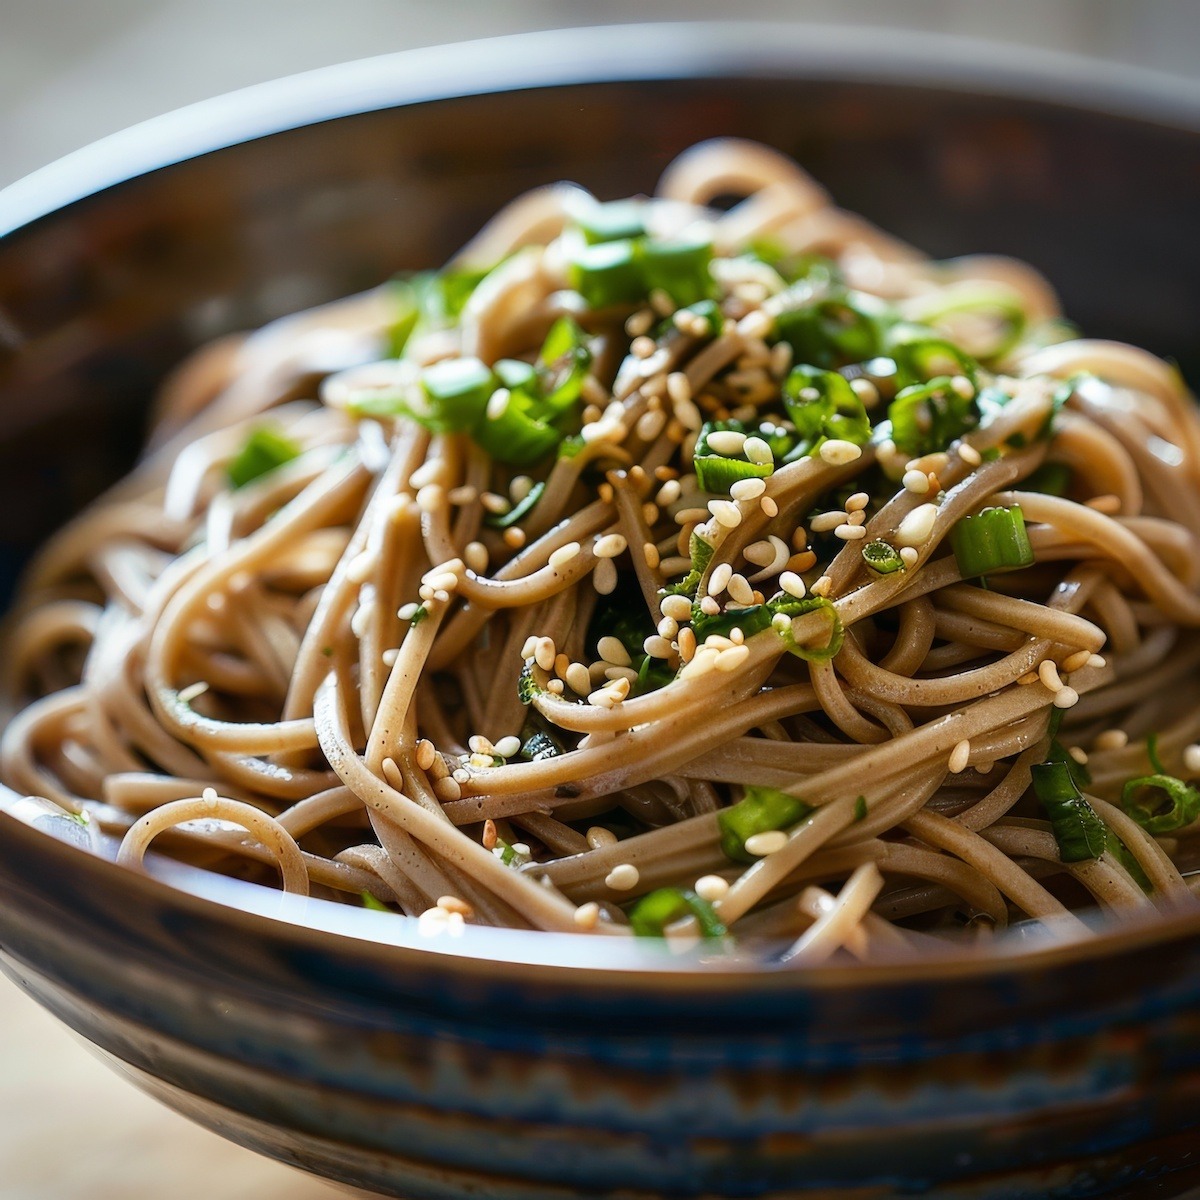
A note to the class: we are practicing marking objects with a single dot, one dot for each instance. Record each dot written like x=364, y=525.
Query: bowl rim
x=625, y=53
x=651, y=52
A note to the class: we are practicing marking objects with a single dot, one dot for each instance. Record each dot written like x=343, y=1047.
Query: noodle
x=740, y=577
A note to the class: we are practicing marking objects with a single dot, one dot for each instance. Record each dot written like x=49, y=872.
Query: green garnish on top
x=265, y=449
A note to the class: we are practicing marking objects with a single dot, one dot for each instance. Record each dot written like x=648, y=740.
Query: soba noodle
x=652, y=569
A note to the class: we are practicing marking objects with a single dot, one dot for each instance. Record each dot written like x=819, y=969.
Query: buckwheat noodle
x=395, y=668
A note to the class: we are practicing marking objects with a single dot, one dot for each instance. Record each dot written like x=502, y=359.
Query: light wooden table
x=71, y=1129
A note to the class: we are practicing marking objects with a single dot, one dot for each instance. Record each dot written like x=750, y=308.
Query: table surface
x=72, y=1129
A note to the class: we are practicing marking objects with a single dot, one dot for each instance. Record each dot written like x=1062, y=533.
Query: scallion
x=882, y=557
x=616, y=221
x=373, y=902
x=760, y=810
x=1160, y=803
x=457, y=391
x=679, y=267
x=994, y=539
x=650, y=916
x=1078, y=830
x=821, y=405
x=608, y=274
x=265, y=449
x=519, y=511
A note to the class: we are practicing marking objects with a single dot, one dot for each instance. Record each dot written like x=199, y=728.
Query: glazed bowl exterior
x=531, y=1066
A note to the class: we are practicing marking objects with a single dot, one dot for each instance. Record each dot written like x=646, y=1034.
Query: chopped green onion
x=982, y=297
x=701, y=553
x=922, y=357
x=457, y=390
x=516, y=374
x=564, y=361
x=834, y=330
x=516, y=436
x=750, y=620
x=373, y=903
x=519, y=511
x=760, y=810
x=717, y=474
x=679, y=267
x=860, y=808
x=651, y=915
x=508, y=856
x=539, y=745
x=652, y=674
x=264, y=449
x=616, y=221
x=1160, y=803
x=1051, y=479
x=608, y=273
x=882, y=557
x=927, y=417
x=791, y=607
x=527, y=686
x=994, y=539
x=822, y=405
x=1078, y=830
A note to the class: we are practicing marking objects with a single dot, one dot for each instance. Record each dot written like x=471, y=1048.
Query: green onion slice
x=615, y=221
x=651, y=915
x=519, y=511
x=1078, y=830
x=994, y=539
x=926, y=417
x=882, y=557
x=760, y=810
x=373, y=902
x=608, y=274
x=822, y=405
x=1160, y=803
x=791, y=607
x=265, y=449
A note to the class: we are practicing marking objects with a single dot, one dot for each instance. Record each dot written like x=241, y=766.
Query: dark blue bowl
x=533, y=1066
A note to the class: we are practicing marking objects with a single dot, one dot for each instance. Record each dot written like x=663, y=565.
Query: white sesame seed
x=639, y=322
x=668, y=493
x=824, y=522
x=498, y=404
x=514, y=537
x=865, y=390
x=909, y=556
x=747, y=489
x=622, y=878
x=642, y=346
x=916, y=482
x=650, y=424
x=759, y=553
x=609, y=546
x=916, y=527
x=731, y=659
x=1048, y=674
x=677, y=607
x=544, y=653
x=963, y=386
x=709, y=607
x=740, y=590
x=701, y=663
x=711, y=887
x=623, y=673
x=822, y=586
x=563, y=555
x=667, y=628
x=650, y=554
x=389, y=656
x=755, y=324
x=1097, y=661
x=757, y=451
x=769, y=842
x=406, y=612
x=969, y=454
x=959, y=756
x=1076, y=661
x=444, y=581
x=586, y=915
x=838, y=453
x=726, y=512
x=727, y=442
x=850, y=533
x=1066, y=697
x=657, y=647
x=1191, y=759
x=1078, y=754
x=768, y=505
x=858, y=501
x=858, y=517
x=792, y=584
x=679, y=389
x=613, y=650
x=476, y=557
x=508, y=746
x=360, y=567
x=1118, y=739
x=718, y=581
x=430, y=497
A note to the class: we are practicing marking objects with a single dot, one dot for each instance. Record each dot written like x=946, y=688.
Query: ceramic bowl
x=533, y=1066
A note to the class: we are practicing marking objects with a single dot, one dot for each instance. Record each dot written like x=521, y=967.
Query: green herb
x=1078, y=830
x=509, y=856
x=527, y=686
x=709, y=311
x=1160, y=803
x=983, y=297
x=860, y=809
x=650, y=916
x=616, y=221
x=823, y=405
x=519, y=511
x=373, y=903
x=833, y=330
x=420, y=613
x=679, y=267
x=922, y=356
x=926, y=417
x=791, y=607
x=627, y=270
x=994, y=539
x=882, y=557
x=457, y=390
x=760, y=809
x=701, y=553
x=264, y=449
x=608, y=273
x=714, y=472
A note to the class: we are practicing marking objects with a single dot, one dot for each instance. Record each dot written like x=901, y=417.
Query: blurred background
x=74, y=70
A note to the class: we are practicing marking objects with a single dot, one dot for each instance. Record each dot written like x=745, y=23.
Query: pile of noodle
x=243, y=674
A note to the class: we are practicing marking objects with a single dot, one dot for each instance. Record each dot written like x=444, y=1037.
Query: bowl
x=538, y=1066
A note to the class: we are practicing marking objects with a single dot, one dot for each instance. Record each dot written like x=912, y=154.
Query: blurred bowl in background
x=531, y=1065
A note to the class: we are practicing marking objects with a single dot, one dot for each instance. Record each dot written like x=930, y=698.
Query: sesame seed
x=609, y=546
x=508, y=746
x=916, y=482
x=824, y=522
x=1097, y=661
x=642, y=346
x=755, y=324
x=769, y=842
x=701, y=663
x=657, y=646
x=668, y=493
x=747, y=489
x=598, y=837
x=425, y=754
x=389, y=656
x=865, y=390
x=759, y=553
x=445, y=581
x=650, y=554
x=676, y=607
x=792, y=584
x=1048, y=674
x=639, y=322
x=740, y=590
x=757, y=451
x=936, y=461
x=544, y=653
x=731, y=659
x=650, y=424
x=1191, y=759
x=476, y=557
x=969, y=454
x=667, y=628
x=727, y=442
x=514, y=537
x=586, y=915
x=361, y=566
x=709, y=607
x=613, y=650
x=563, y=555
x=850, y=533
x=452, y=904
x=718, y=581
x=489, y=837
x=687, y=644
x=601, y=698
x=1118, y=739
x=711, y=887
x=1076, y=661
x=679, y=389
x=406, y=612
x=726, y=512
x=769, y=507
x=858, y=517
x=622, y=878
x=959, y=756
x=916, y=527
x=838, y=453
x=1066, y=697
x=494, y=503
x=1078, y=754
x=962, y=386
x=822, y=586
x=461, y=775
x=578, y=679
x=447, y=790
x=857, y=502
x=909, y=556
